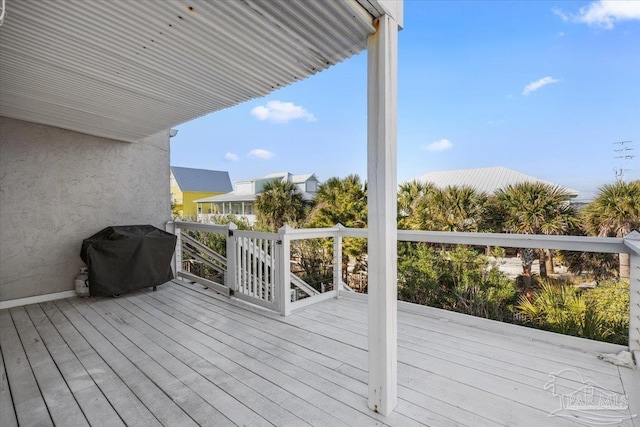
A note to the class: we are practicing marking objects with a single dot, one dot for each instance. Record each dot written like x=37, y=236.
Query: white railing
x=258, y=263
x=256, y=272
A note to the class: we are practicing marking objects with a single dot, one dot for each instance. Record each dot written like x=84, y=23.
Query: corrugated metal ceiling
x=126, y=69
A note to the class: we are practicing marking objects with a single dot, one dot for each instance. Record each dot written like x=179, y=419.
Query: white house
x=241, y=201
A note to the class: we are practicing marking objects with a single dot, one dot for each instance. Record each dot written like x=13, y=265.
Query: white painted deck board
x=179, y=353
x=127, y=405
x=153, y=397
x=181, y=356
x=95, y=407
x=251, y=369
x=6, y=402
x=456, y=346
x=273, y=344
x=501, y=395
x=62, y=406
x=298, y=370
x=139, y=352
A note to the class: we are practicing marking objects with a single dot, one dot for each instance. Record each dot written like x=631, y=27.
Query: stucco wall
x=58, y=187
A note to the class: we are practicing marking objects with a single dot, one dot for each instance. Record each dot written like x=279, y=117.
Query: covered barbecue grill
x=126, y=258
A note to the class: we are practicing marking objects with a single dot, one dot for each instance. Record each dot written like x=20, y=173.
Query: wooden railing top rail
x=197, y=226
x=570, y=243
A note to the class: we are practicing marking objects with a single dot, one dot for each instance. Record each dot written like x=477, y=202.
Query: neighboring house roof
x=303, y=178
x=203, y=180
x=289, y=177
x=233, y=197
x=483, y=179
x=229, y=197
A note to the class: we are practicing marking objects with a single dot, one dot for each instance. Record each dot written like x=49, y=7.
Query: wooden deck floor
x=181, y=357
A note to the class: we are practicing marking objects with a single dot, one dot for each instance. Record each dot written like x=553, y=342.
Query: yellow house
x=188, y=185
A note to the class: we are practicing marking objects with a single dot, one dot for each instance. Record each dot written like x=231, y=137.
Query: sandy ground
x=512, y=267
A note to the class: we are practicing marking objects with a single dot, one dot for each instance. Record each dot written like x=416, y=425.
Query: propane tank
x=82, y=283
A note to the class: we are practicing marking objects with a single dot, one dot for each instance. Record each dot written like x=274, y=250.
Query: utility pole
x=624, y=152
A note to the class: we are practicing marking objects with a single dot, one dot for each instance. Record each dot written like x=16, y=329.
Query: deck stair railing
x=204, y=254
x=258, y=263
x=249, y=270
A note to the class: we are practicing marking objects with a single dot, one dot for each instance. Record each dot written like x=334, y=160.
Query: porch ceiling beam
x=382, y=182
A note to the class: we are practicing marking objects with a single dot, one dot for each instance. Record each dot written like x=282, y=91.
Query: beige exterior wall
x=58, y=187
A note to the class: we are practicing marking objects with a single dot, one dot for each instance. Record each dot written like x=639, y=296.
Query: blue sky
x=542, y=87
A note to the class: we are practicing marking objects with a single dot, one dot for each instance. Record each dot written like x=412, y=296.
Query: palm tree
x=408, y=194
x=341, y=201
x=615, y=212
x=451, y=209
x=281, y=203
x=534, y=208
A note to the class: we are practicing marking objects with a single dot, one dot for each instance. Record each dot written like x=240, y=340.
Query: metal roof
x=289, y=177
x=124, y=69
x=233, y=197
x=229, y=197
x=483, y=179
x=203, y=180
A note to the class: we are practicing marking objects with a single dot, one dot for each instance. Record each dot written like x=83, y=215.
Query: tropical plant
x=408, y=194
x=533, y=208
x=599, y=265
x=458, y=280
x=610, y=299
x=281, y=203
x=615, y=212
x=343, y=201
x=571, y=311
x=450, y=209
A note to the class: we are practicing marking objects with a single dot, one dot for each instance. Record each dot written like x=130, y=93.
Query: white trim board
x=36, y=299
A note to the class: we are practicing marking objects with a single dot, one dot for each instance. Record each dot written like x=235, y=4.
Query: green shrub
x=599, y=314
x=458, y=280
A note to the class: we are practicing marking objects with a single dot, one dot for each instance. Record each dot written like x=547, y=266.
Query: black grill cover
x=129, y=257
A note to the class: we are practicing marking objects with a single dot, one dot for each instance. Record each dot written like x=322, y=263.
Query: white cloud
x=231, y=157
x=560, y=13
x=259, y=153
x=281, y=112
x=443, y=144
x=603, y=13
x=533, y=86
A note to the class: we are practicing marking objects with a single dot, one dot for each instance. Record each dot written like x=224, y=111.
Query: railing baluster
x=232, y=278
x=254, y=266
x=337, y=260
x=284, y=278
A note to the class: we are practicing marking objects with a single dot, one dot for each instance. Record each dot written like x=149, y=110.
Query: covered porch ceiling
x=125, y=69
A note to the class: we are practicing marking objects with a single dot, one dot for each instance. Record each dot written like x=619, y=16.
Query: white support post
x=283, y=263
x=632, y=241
x=337, y=261
x=231, y=279
x=176, y=259
x=177, y=256
x=382, y=179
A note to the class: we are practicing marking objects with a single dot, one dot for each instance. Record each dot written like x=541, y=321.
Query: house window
x=248, y=208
